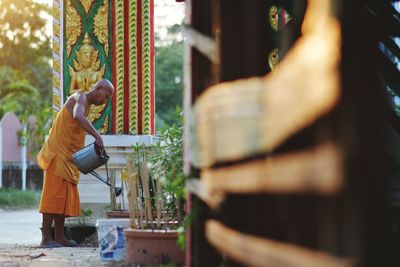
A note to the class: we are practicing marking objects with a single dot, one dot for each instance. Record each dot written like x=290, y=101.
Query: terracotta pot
x=117, y=214
x=152, y=247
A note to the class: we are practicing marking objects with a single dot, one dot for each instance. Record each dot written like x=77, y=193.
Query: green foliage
x=25, y=71
x=168, y=154
x=168, y=78
x=18, y=96
x=84, y=216
x=164, y=159
x=11, y=198
x=35, y=133
x=24, y=45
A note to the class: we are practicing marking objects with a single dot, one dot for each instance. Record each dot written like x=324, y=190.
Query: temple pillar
x=112, y=39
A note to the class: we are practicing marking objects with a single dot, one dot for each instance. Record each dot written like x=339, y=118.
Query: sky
x=166, y=13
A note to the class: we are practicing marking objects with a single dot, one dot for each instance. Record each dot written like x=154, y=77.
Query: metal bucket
x=88, y=159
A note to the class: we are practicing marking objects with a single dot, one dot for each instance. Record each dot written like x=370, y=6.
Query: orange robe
x=60, y=191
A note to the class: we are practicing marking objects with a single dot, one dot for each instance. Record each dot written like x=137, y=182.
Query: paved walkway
x=20, y=233
x=20, y=227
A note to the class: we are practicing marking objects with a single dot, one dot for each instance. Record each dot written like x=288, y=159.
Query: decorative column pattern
x=57, y=39
x=147, y=67
x=110, y=39
x=133, y=69
x=118, y=100
x=133, y=111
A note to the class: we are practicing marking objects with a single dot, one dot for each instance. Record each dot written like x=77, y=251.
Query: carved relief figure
x=86, y=73
x=73, y=26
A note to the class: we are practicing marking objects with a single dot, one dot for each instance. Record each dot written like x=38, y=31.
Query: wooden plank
x=317, y=170
x=195, y=186
x=256, y=251
x=235, y=120
x=204, y=44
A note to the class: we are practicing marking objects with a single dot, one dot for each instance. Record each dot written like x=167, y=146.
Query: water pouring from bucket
x=90, y=158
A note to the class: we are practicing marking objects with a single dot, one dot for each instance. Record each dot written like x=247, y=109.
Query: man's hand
x=99, y=143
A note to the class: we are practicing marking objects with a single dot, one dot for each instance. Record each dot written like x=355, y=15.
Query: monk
x=60, y=197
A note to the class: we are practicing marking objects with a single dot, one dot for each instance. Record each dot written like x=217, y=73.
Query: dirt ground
x=24, y=256
x=20, y=234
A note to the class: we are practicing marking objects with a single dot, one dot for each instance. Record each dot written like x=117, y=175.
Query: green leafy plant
x=160, y=179
x=84, y=216
x=11, y=198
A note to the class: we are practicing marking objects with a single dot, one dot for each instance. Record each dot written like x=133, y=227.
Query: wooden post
x=112, y=190
x=144, y=175
x=132, y=193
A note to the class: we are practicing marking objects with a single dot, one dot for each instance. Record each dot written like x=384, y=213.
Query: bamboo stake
x=156, y=191
x=158, y=201
x=140, y=203
x=144, y=175
x=112, y=191
x=132, y=193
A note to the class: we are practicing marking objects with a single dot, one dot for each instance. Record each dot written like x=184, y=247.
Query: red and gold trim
x=147, y=72
x=133, y=73
x=133, y=70
x=57, y=49
x=119, y=67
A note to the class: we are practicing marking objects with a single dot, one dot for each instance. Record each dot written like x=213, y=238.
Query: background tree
x=168, y=76
x=24, y=44
x=25, y=69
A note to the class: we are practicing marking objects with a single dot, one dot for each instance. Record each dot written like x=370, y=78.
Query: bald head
x=101, y=92
x=106, y=85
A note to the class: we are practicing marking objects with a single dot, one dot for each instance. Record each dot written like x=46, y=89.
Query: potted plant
x=156, y=200
x=82, y=230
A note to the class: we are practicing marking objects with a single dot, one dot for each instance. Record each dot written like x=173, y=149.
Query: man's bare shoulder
x=76, y=98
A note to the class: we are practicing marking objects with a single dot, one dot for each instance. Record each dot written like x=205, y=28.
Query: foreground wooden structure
x=285, y=119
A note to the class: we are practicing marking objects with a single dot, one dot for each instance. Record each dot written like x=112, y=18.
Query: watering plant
x=157, y=199
x=156, y=181
x=84, y=216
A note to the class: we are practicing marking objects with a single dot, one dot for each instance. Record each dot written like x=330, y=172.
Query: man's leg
x=46, y=229
x=59, y=221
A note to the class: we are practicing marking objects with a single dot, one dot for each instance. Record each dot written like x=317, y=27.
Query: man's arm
x=79, y=116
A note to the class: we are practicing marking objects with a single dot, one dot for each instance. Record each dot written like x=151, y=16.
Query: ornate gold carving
x=278, y=17
x=100, y=26
x=104, y=129
x=273, y=17
x=56, y=82
x=86, y=4
x=273, y=59
x=95, y=112
x=56, y=12
x=133, y=70
x=56, y=29
x=56, y=99
x=56, y=47
x=119, y=65
x=56, y=66
x=73, y=26
x=146, y=68
x=86, y=73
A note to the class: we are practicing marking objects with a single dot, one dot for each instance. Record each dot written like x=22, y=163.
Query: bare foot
x=49, y=244
x=67, y=243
